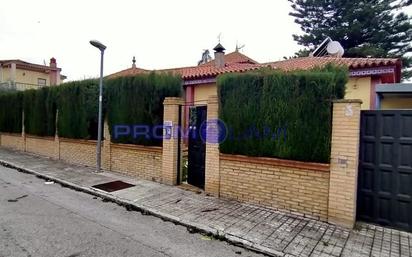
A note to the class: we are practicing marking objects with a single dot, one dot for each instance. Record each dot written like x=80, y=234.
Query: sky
x=160, y=33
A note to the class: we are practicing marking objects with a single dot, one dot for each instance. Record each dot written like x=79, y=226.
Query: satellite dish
x=334, y=48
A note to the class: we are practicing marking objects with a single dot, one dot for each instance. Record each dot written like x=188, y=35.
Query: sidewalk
x=271, y=232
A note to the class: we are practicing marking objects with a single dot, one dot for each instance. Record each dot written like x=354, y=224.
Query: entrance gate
x=197, y=146
x=385, y=168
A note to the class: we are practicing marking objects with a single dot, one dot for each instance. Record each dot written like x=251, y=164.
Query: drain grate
x=113, y=186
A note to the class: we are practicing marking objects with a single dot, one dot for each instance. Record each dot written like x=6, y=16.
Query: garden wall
x=45, y=146
x=78, y=151
x=298, y=187
x=14, y=141
x=139, y=161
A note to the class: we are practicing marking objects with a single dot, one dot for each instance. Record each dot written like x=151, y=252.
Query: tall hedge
x=139, y=101
x=78, y=109
x=40, y=111
x=277, y=114
x=11, y=107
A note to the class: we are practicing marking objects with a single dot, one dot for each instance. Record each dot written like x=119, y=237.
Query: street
x=39, y=219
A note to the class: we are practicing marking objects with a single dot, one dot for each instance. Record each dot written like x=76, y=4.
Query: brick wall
x=344, y=162
x=78, y=151
x=42, y=146
x=287, y=185
x=133, y=160
x=137, y=161
x=14, y=141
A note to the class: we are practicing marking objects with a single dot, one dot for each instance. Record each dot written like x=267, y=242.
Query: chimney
x=219, y=56
x=54, y=73
x=53, y=63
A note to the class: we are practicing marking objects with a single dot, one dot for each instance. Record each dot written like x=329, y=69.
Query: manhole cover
x=113, y=186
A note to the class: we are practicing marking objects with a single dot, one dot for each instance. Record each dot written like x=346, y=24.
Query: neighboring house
x=365, y=74
x=21, y=75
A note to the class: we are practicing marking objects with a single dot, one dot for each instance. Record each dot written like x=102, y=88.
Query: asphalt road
x=49, y=220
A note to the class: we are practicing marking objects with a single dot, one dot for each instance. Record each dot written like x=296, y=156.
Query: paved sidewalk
x=271, y=232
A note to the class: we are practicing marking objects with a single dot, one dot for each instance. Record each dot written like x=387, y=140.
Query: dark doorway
x=197, y=147
x=385, y=169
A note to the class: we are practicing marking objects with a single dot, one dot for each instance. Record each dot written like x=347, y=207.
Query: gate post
x=170, y=142
x=212, y=160
x=343, y=180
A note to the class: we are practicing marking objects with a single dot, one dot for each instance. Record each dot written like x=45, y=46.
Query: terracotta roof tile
x=305, y=63
x=128, y=72
x=195, y=72
x=237, y=63
x=234, y=57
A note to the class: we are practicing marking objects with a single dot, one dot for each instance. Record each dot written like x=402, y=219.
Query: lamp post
x=101, y=47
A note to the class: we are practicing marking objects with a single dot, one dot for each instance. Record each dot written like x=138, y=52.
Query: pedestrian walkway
x=265, y=230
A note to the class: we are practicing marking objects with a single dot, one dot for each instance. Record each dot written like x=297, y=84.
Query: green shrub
x=139, y=101
x=40, y=111
x=283, y=115
x=11, y=108
x=77, y=106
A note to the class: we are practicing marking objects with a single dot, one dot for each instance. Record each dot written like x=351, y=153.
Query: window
x=41, y=82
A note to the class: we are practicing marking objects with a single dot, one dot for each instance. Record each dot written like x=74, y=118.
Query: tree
x=375, y=28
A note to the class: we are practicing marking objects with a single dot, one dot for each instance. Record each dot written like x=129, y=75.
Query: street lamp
x=101, y=47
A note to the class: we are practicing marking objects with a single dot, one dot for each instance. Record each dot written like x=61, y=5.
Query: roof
x=305, y=63
x=128, y=72
x=237, y=62
x=27, y=65
x=234, y=62
x=195, y=72
x=234, y=57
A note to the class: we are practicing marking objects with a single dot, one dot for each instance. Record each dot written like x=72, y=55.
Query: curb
x=129, y=205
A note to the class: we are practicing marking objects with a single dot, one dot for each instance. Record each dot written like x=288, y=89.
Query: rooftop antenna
x=238, y=48
x=205, y=57
x=219, y=36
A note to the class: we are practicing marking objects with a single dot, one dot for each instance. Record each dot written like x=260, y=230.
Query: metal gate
x=385, y=168
x=197, y=146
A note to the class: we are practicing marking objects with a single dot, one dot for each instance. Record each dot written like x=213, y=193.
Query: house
x=365, y=74
x=21, y=75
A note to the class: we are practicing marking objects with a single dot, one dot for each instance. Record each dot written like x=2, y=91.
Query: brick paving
x=269, y=231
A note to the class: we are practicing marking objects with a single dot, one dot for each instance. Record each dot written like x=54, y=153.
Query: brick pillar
x=106, y=151
x=212, y=172
x=170, y=143
x=344, y=162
